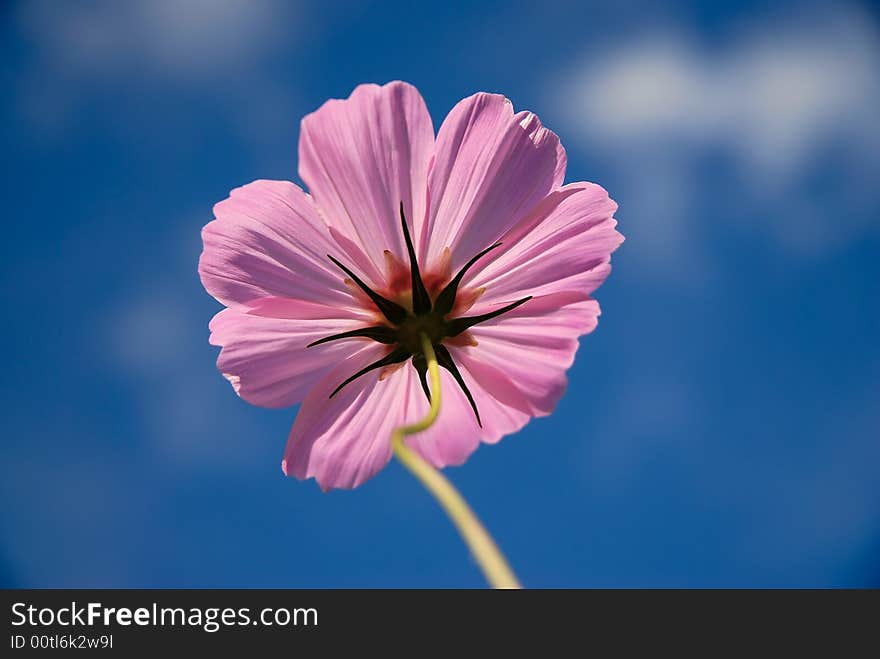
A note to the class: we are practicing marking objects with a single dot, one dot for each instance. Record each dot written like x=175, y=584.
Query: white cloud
x=772, y=97
x=173, y=38
x=158, y=345
x=173, y=48
x=156, y=341
x=771, y=101
x=148, y=333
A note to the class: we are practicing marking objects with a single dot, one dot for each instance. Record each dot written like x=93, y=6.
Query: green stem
x=485, y=551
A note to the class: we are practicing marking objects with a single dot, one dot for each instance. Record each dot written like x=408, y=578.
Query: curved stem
x=478, y=540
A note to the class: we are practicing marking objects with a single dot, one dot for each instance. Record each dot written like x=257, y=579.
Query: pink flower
x=501, y=256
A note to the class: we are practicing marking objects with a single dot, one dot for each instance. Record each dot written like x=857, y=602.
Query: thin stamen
x=379, y=333
x=391, y=310
x=420, y=298
x=421, y=366
x=395, y=357
x=446, y=300
x=458, y=325
x=445, y=360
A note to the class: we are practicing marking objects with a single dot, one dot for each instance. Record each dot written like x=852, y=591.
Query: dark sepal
x=420, y=298
x=391, y=310
x=380, y=333
x=421, y=366
x=456, y=326
x=394, y=357
x=446, y=300
x=445, y=360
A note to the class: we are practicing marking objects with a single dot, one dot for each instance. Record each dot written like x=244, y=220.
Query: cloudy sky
x=720, y=427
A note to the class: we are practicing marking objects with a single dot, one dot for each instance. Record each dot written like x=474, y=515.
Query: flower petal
x=264, y=347
x=361, y=157
x=491, y=166
x=268, y=240
x=456, y=434
x=564, y=244
x=344, y=440
x=525, y=368
x=560, y=253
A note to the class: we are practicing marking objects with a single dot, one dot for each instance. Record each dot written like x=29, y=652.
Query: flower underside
x=404, y=328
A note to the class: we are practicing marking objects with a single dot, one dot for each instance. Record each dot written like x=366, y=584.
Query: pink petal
x=564, y=244
x=344, y=440
x=268, y=240
x=490, y=168
x=264, y=353
x=361, y=157
x=524, y=367
x=456, y=434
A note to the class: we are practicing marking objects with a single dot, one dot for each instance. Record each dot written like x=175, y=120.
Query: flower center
x=428, y=317
x=409, y=332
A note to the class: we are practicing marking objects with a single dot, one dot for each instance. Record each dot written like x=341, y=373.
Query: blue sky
x=720, y=427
